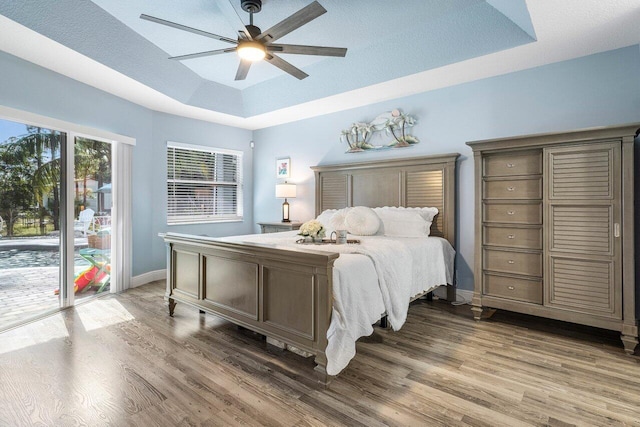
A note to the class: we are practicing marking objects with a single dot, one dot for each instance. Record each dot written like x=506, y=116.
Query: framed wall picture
x=283, y=168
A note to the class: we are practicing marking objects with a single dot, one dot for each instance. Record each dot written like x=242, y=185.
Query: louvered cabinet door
x=583, y=270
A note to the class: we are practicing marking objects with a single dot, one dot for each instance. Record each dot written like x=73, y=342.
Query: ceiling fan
x=253, y=44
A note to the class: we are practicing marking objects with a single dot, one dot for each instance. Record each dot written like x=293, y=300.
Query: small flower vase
x=308, y=239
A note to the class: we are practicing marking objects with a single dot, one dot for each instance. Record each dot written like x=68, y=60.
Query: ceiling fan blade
x=243, y=69
x=234, y=19
x=185, y=28
x=286, y=67
x=202, y=54
x=307, y=50
x=297, y=20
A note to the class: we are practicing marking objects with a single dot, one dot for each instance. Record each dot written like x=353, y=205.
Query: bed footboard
x=282, y=294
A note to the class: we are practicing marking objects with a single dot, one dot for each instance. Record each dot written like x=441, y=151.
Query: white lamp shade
x=285, y=191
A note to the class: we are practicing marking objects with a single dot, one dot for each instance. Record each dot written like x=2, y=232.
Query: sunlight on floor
x=102, y=313
x=35, y=333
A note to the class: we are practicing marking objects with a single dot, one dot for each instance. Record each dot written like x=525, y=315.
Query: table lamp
x=284, y=191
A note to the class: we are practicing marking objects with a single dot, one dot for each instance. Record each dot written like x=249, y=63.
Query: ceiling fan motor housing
x=251, y=6
x=253, y=30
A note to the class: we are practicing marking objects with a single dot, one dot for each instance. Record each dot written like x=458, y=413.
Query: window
x=204, y=184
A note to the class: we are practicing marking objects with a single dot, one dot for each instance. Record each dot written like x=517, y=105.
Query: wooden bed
x=254, y=285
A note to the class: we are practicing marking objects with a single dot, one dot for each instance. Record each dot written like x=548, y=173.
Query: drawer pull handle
x=511, y=288
x=511, y=188
x=510, y=165
x=511, y=212
x=511, y=261
x=511, y=236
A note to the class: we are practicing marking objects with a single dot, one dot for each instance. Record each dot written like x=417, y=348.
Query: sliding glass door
x=92, y=210
x=30, y=221
x=55, y=220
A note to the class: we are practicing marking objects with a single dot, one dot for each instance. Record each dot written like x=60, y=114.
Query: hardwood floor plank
x=427, y=389
x=18, y=413
x=391, y=410
x=121, y=360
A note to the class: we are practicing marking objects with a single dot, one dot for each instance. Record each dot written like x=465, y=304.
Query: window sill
x=216, y=221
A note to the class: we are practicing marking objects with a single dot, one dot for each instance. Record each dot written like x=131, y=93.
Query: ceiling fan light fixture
x=253, y=44
x=251, y=51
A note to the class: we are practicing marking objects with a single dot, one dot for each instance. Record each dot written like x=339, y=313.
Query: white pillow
x=427, y=213
x=338, y=221
x=325, y=219
x=362, y=221
x=403, y=223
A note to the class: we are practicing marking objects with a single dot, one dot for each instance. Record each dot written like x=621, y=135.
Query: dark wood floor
x=121, y=360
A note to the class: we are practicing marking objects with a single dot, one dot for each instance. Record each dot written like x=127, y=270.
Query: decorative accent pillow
x=403, y=223
x=338, y=221
x=325, y=219
x=362, y=221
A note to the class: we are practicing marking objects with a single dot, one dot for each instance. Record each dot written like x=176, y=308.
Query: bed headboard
x=409, y=182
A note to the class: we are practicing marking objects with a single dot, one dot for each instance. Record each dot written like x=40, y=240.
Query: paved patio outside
x=28, y=291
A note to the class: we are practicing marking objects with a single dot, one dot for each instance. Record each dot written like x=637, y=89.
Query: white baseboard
x=461, y=294
x=148, y=277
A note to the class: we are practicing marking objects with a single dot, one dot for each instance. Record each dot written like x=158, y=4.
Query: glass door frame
x=68, y=247
x=121, y=186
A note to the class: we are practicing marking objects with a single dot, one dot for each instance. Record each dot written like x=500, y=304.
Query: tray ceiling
x=400, y=47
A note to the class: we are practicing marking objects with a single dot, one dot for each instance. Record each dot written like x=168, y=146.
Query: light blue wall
x=31, y=88
x=177, y=129
x=598, y=90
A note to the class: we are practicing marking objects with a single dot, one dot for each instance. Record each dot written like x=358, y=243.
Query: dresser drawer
x=524, y=163
x=529, y=264
x=512, y=288
x=513, y=213
x=513, y=189
x=527, y=238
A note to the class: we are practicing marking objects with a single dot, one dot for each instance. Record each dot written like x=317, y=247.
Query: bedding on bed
x=380, y=274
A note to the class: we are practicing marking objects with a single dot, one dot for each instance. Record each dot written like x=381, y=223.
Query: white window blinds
x=204, y=184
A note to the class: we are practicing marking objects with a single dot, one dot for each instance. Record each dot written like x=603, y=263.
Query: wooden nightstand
x=275, y=227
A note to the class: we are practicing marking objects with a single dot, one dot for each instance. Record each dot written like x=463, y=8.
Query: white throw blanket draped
x=393, y=263
x=389, y=273
x=357, y=305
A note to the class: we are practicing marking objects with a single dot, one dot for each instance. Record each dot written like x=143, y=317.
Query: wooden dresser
x=554, y=227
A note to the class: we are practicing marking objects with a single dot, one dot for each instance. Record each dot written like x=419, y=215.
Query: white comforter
x=380, y=274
